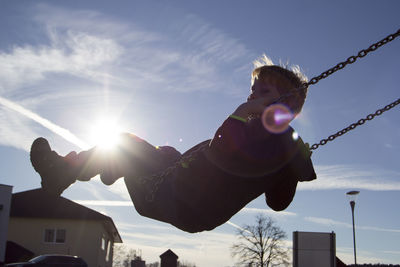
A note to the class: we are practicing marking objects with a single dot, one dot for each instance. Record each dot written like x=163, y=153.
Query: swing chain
x=353, y=59
x=354, y=125
x=159, y=178
x=341, y=65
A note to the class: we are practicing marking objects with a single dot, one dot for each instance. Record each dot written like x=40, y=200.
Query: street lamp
x=352, y=196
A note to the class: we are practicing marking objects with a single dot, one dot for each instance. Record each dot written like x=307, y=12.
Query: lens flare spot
x=295, y=136
x=276, y=118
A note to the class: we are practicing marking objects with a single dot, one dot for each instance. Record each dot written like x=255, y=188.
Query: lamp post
x=352, y=195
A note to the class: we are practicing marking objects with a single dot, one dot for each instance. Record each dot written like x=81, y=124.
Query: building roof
x=169, y=254
x=39, y=204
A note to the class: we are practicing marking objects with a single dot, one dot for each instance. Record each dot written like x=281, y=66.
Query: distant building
x=169, y=259
x=5, y=199
x=138, y=262
x=313, y=249
x=43, y=224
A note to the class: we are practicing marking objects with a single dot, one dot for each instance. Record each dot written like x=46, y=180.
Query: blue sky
x=171, y=72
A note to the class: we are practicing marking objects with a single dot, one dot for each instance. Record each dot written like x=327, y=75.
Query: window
x=103, y=243
x=49, y=235
x=55, y=235
x=108, y=250
x=60, y=236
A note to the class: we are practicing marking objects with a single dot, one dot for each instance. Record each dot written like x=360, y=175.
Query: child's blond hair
x=264, y=66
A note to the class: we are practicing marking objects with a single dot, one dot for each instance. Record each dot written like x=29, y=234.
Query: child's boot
x=55, y=171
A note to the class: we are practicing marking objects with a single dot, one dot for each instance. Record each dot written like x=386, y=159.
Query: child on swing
x=207, y=185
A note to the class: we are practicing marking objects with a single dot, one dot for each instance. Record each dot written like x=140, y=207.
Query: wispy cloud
x=351, y=176
x=326, y=221
x=179, y=240
x=130, y=226
x=80, y=55
x=268, y=212
x=330, y=222
x=105, y=203
x=191, y=57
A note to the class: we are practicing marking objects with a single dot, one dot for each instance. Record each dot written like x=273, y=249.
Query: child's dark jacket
x=208, y=187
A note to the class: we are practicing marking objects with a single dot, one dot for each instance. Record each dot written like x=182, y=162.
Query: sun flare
x=105, y=133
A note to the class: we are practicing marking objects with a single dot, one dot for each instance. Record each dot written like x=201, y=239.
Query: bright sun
x=105, y=133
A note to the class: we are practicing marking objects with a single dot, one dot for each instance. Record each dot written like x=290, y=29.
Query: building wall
x=169, y=262
x=5, y=201
x=83, y=238
x=313, y=249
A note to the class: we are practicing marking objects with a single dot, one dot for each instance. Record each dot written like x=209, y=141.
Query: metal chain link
x=354, y=125
x=353, y=59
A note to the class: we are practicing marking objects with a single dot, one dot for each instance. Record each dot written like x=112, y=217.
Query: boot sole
x=39, y=149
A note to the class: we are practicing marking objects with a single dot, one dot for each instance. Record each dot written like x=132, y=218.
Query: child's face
x=269, y=87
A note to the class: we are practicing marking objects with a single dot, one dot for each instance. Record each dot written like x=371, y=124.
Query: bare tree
x=261, y=245
x=119, y=255
x=123, y=256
